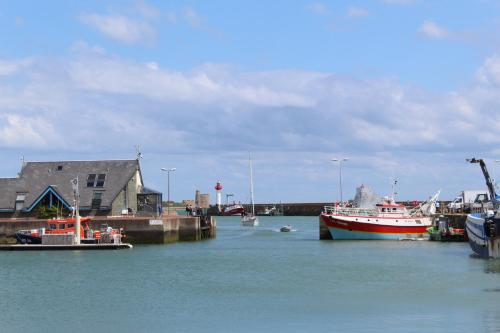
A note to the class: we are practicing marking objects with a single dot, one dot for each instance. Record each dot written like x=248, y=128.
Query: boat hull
x=342, y=228
x=479, y=241
x=235, y=211
x=249, y=221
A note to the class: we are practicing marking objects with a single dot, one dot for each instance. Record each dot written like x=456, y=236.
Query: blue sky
x=404, y=88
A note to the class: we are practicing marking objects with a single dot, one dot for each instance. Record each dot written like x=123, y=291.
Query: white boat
x=250, y=219
x=286, y=228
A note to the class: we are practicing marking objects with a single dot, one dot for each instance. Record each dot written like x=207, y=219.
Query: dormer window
x=100, y=180
x=96, y=180
x=91, y=180
x=20, y=198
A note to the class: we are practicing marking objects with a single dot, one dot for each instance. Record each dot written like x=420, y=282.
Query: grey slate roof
x=36, y=177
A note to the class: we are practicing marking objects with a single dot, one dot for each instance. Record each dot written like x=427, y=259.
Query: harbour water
x=253, y=279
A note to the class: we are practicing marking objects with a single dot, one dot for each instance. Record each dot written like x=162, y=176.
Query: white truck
x=470, y=199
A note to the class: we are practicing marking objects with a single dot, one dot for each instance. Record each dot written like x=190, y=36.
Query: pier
x=138, y=230
x=79, y=247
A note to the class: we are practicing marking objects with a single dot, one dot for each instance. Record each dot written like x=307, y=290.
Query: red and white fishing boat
x=388, y=220
x=232, y=210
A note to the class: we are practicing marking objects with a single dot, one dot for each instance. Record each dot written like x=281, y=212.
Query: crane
x=489, y=181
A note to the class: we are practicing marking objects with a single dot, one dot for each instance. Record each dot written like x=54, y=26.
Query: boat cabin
x=64, y=226
x=391, y=209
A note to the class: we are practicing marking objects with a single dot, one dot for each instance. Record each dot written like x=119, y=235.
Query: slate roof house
x=106, y=188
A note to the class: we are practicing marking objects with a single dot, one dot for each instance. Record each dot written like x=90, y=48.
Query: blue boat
x=483, y=238
x=483, y=229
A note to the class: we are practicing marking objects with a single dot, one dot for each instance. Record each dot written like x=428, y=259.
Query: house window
x=96, y=180
x=59, y=168
x=96, y=200
x=91, y=180
x=100, y=180
x=20, y=198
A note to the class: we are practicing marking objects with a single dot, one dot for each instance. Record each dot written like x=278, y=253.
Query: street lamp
x=340, y=160
x=168, y=187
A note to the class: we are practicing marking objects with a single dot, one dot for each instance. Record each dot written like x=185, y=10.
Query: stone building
x=111, y=187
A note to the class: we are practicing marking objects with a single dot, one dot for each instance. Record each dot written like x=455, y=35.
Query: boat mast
x=76, y=193
x=394, y=182
x=251, y=183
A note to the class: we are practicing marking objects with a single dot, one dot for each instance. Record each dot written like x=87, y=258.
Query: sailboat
x=250, y=219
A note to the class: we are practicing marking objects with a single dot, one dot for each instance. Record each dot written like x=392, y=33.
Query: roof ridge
x=116, y=160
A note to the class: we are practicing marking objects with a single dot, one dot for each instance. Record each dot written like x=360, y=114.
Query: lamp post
x=168, y=187
x=340, y=160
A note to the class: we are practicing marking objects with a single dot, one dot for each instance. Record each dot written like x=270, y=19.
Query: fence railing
x=350, y=211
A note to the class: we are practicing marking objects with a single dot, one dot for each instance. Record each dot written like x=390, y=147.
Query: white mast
x=76, y=193
x=394, y=182
x=251, y=183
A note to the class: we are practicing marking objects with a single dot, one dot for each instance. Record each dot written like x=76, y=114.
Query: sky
x=405, y=89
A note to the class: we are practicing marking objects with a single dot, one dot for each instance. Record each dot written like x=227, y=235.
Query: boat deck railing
x=349, y=211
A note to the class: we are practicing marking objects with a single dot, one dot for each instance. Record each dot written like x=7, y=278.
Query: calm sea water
x=253, y=279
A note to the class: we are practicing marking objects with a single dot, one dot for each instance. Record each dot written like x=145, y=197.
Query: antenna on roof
x=23, y=164
x=138, y=151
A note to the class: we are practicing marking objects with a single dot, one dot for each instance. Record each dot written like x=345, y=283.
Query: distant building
x=109, y=187
x=204, y=200
x=201, y=200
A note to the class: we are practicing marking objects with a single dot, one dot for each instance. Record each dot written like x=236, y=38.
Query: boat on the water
x=483, y=228
x=67, y=227
x=444, y=231
x=273, y=211
x=387, y=220
x=233, y=210
x=286, y=228
x=250, y=219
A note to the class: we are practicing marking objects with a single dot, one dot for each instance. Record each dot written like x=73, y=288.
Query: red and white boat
x=388, y=220
x=234, y=209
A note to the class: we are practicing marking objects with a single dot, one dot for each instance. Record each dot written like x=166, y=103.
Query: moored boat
x=444, y=231
x=233, y=210
x=67, y=227
x=483, y=229
x=250, y=219
x=388, y=220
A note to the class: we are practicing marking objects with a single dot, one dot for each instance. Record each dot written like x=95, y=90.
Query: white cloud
x=109, y=75
x=19, y=131
x=489, y=72
x=318, y=8
x=219, y=111
x=9, y=67
x=120, y=28
x=308, y=106
x=357, y=12
x=431, y=30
